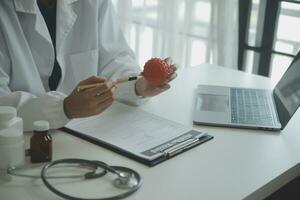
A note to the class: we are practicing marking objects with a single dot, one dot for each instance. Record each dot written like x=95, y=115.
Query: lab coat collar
x=67, y=18
x=65, y=15
x=29, y=6
x=25, y=6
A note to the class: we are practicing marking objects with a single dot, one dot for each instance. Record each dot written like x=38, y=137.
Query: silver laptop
x=250, y=108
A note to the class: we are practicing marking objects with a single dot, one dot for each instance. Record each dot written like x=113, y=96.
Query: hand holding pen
x=92, y=96
x=92, y=100
x=95, y=94
x=118, y=81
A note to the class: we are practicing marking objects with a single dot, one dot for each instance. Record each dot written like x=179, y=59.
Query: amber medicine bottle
x=41, y=143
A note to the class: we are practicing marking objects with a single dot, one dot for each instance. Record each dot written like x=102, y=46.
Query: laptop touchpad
x=211, y=102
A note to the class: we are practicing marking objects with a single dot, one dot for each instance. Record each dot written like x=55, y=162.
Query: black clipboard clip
x=177, y=145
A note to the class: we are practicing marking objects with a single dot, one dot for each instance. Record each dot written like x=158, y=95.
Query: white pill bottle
x=12, y=145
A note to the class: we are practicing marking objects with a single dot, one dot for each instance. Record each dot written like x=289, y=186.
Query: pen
x=118, y=81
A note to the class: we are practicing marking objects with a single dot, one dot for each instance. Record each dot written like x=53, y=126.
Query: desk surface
x=237, y=164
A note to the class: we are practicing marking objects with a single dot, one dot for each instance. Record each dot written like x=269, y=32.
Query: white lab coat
x=88, y=42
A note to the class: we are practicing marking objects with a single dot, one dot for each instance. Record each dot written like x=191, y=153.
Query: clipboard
x=138, y=141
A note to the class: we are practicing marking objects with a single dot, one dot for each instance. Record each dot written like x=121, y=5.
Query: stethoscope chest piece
x=126, y=182
x=127, y=178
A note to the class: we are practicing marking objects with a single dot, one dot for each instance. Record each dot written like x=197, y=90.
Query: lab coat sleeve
x=29, y=107
x=4, y=67
x=116, y=59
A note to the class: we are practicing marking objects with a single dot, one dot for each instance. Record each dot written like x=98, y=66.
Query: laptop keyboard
x=251, y=106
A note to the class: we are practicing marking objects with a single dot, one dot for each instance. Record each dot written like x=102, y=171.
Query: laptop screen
x=287, y=92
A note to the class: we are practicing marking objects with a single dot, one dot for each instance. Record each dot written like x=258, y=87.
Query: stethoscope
x=127, y=178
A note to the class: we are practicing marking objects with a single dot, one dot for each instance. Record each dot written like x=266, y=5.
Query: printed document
x=130, y=129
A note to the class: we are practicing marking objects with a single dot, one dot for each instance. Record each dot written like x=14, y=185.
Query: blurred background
x=257, y=36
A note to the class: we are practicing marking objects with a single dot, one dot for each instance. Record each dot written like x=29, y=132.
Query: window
x=269, y=37
x=186, y=30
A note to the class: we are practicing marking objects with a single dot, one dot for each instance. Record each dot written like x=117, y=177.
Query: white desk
x=236, y=164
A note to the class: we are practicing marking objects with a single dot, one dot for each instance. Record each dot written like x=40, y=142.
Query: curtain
x=192, y=32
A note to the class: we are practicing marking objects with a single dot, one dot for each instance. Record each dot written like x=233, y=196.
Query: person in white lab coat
x=84, y=44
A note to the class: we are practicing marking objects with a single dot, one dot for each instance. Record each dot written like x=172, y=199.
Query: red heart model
x=156, y=71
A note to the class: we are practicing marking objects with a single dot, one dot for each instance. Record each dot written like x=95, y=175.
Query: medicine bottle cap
x=7, y=113
x=41, y=126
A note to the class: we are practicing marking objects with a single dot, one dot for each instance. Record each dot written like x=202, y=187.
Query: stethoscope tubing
x=100, y=164
x=13, y=171
x=93, y=174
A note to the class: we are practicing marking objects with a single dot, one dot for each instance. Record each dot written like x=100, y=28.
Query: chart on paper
x=129, y=128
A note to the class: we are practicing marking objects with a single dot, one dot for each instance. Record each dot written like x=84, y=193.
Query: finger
x=174, y=67
x=92, y=80
x=114, y=92
x=160, y=89
x=164, y=87
x=171, y=78
x=103, y=97
x=104, y=105
x=100, y=89
x=168, y=60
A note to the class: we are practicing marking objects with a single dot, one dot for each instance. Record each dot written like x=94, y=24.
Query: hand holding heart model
x=157, y=71
x=155, y=78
